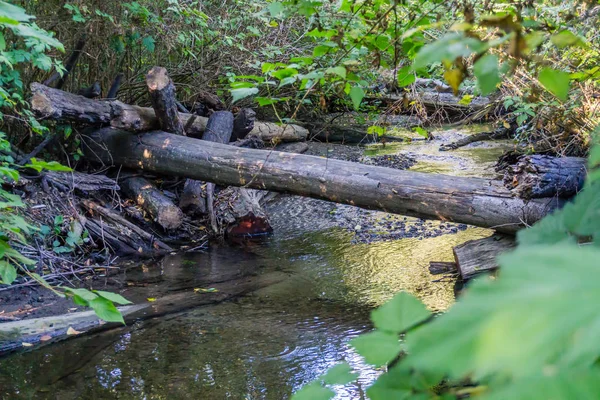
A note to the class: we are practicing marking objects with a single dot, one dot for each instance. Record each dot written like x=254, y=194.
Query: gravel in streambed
x=367, y=226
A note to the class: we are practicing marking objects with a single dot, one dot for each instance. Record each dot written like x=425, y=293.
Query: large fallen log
x=473, y=201
x=540, y=176
x=67, y=107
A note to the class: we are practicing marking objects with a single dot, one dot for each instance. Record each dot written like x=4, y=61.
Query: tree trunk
x=540, y=176
x=67, y=107
x=473, y=201
x=164, y=101
x=161, y=208
x=477, y=256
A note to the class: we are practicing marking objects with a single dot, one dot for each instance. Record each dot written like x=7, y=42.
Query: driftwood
x=477, y=256
x=162, y=95
x=473, y=201
x=160, y=207
x=540, y=176
x=150, y=240
x=67, y=181
x=67, y=107
x=442, y=267
x=500, y=133
x=124, y=238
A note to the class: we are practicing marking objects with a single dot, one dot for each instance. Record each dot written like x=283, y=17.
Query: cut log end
x=157, y=78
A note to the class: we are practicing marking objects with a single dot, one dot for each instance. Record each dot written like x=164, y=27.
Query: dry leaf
x=72, y=332
x=45, y=338
x=25, y=344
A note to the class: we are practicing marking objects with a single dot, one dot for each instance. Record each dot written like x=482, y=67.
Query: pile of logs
x=236, y=211
x=163, y=141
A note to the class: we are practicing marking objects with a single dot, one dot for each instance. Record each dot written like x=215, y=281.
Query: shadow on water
x=264, y=345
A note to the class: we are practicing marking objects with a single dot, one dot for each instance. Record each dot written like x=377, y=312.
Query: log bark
x=67, y=107
x=241, y=210
x=442, y=267
x=164, y=101
x=218, y=130
x=540, y=176
x=478, y=256
x=74, y=180
x=473, y=201
x=243, y=124
x=160, y=207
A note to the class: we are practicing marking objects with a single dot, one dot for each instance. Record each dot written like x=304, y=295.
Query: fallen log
x=540, y=176
x=473, y=201
x=124, y=238
x=159, y=207
x=500, y=133
x=67, y=107
x=150, y=240
x=478, y=256
x=354, y=127
x=67, y=181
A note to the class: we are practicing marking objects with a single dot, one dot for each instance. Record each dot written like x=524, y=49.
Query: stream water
x=269, y=343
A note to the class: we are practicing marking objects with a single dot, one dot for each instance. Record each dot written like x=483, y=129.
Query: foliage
x=23, y=44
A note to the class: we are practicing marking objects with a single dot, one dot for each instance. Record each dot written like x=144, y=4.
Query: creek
x=338, y=263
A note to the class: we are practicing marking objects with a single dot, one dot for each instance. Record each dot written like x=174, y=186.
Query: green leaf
x=149, y=43
x=422, y=132
x=114, y=297
x=405, y=76
x=556, y=82
x=82, y=293
x=400, y=314
x=339, y=71
x=313, y=391
x=487, y=73
x=378, y=348
x=39, y=165
x=8, y=12
x=2, y=42
x=239, y=94
x=357, y=94
x=106, y=310
x=540, y=311
x=8, y=272
x=340, y=374
x=566, y=38
x=447, y=48
x=580, y=385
